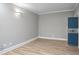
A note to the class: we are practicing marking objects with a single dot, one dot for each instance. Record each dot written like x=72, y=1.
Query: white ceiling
x=44, y=8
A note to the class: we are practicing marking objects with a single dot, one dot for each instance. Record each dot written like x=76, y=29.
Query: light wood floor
x=45, y=47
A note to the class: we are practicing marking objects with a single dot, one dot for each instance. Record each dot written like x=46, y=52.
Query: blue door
x=73, y=22
x=73, y=36
x=73, y=39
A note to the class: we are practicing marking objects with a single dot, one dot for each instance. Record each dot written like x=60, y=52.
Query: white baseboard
x=52, y=38
x=26, y=42
x=17, y=46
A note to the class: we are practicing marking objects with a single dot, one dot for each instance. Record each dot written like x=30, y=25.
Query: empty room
x=39, y=29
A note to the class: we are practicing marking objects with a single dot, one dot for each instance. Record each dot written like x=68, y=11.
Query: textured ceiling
x=43, y=8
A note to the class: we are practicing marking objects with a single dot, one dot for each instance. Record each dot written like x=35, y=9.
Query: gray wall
x=76, y=13
x=13, y=29
x=54, y=25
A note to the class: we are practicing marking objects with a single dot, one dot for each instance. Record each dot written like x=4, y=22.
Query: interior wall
x=15, y=29
x=76, y=13
x=54, y=25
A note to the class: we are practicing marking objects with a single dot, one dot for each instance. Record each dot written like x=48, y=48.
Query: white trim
x=52, y=38
x=75, y=7
x=26, y=42
x=17, y=46
x=49, y=12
